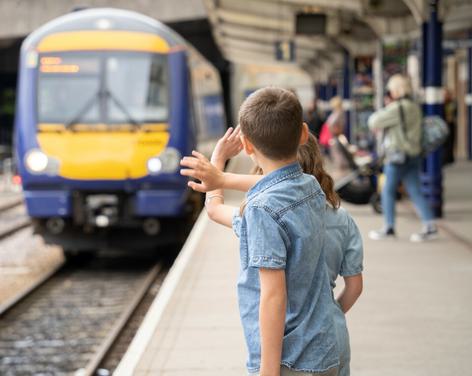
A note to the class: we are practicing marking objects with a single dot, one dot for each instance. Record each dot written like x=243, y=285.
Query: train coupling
x=102, y=210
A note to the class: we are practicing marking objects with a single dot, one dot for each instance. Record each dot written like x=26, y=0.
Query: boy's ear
x=247, y=145
x=304, y=135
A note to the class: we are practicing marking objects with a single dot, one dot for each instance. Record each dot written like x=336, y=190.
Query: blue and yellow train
x=108, y=102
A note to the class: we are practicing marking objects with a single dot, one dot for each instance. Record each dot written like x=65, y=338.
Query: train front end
x=103, y=118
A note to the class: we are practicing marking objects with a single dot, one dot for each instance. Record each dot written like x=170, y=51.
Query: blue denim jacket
x=282, y=227
x=344, y=255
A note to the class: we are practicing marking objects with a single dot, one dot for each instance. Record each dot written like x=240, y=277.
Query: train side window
x=191, y=112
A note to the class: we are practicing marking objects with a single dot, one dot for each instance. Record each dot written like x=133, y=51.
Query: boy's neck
x=270, y=165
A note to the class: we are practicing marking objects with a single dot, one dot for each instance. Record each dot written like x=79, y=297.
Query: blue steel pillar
x=323, y=97
x=433, y=105
x=330, y=90
x=347, y=104
x=322, y=91
x=469, y=101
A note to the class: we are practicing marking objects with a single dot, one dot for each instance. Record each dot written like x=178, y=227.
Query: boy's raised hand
x=227, y=146
x=199, y=167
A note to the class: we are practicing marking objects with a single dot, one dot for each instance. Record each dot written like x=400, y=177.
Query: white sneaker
x=425, y=235
x=382, y=234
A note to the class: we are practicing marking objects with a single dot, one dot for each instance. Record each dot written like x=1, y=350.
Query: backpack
x=434, y=133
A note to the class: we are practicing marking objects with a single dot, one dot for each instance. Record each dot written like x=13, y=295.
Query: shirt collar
x=287, y=172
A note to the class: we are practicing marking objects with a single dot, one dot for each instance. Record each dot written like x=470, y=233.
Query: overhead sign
x=455, y=44
x=285, y=50
x=310, y=24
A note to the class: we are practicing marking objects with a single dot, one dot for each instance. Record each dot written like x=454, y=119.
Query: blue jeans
x=409, y=174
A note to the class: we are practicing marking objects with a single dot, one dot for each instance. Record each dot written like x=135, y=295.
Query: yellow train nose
x=86, y=154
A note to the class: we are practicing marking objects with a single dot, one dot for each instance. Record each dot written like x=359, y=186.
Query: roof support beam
x=356, y=47
x=284, y=25
x=398, y=26
x=417, y=9
x=355, y=6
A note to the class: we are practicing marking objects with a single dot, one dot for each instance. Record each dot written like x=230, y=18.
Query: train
x=108, y=101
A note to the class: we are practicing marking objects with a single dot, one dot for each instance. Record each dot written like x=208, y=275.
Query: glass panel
x=66, y=85
x=137, y=88
x=71, y=88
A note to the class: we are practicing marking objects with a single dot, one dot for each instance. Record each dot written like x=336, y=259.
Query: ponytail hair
x=311, y=160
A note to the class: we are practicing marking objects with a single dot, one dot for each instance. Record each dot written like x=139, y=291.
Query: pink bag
x=325, y=135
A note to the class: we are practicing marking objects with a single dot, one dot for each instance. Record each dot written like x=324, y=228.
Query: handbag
x=434, y=133
x=325, y=135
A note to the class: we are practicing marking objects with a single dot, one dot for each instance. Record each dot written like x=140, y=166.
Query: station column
x=433, y=104
x=323, y=97
x=331, y=88
x=468, y=101
x=347, y=104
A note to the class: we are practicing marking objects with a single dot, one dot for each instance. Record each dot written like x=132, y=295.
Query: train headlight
x=154, y=165
x=168, y=161
x=36, y=161
x=39, y=163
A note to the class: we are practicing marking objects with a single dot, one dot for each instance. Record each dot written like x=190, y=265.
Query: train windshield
x=111, y=88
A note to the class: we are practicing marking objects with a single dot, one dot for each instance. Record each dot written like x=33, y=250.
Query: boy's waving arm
x=211, y=176
x=215, y=201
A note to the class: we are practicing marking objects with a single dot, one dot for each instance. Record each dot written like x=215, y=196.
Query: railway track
x=13, y=217
x=67, y=325
x=11, y=203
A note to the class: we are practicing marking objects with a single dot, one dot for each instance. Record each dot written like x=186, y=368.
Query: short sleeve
x=267, y=241
x=352, y=263
x=236, y=223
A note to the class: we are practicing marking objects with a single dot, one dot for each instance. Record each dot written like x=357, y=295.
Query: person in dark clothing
x=450, y=116
x=315, y=119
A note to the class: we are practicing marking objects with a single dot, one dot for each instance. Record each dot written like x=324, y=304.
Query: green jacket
x=388, y=119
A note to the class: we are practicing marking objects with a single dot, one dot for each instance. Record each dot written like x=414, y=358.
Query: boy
x=283, y=288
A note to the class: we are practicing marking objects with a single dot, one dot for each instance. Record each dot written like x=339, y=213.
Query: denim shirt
x=344, y=255
x=344, y=250
x=282, y=227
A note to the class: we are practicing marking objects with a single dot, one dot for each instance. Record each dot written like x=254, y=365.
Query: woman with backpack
x=401, y=122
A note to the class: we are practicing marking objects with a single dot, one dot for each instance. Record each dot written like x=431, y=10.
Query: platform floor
x=412, y=319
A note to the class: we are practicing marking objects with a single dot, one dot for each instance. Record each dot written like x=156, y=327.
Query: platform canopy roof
x=248, y=30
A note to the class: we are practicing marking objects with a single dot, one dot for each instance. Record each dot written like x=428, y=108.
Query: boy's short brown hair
x=271, y=118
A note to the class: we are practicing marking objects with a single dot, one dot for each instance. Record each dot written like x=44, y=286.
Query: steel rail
x=10, y=230
x=10, y=205
x=114, y=333
x=10, y=303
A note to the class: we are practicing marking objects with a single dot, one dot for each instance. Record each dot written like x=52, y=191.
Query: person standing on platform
x=315, y=119
x=450, y=116
x=334, y=125
x=401, y=122
x=343, y=245
x=284, y=293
